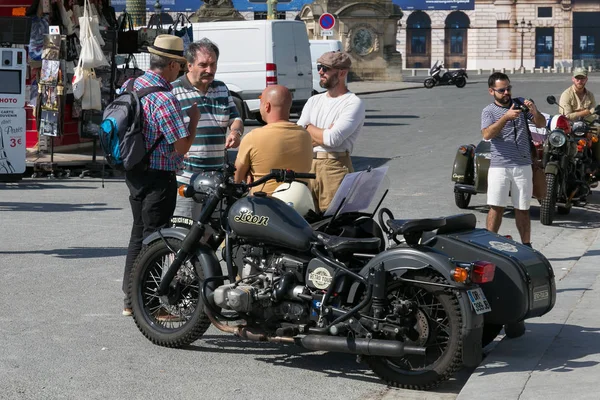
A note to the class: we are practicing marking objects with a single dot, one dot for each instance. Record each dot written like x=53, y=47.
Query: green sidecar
x=470, y=172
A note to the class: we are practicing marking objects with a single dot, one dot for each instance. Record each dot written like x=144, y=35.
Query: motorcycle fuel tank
x=270, y=220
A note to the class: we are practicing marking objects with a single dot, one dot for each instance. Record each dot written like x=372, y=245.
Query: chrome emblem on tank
x=246, y=217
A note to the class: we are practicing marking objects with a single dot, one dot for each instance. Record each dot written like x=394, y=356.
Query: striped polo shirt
x=217, y=113
x=511, y=147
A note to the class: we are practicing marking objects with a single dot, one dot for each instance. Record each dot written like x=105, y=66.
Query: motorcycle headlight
x=557, y=138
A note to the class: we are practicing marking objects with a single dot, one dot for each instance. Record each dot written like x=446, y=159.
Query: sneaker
x=127, y=312
x=164, y=316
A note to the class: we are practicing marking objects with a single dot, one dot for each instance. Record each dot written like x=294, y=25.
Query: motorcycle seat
x=415, y=226
x=337, y=244
x=458, y=222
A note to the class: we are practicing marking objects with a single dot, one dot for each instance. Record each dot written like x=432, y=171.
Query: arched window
x=457, y=24
x=418, y=40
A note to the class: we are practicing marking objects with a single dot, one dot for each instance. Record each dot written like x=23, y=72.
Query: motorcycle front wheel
x=548, y=204
x=174, y=320
x=439, y=323
x=429, y=83
x=460, y=82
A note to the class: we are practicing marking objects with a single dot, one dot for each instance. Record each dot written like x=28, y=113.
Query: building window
x=587, y=44
x=418, y=44
x=503, y=41
x=456, y=43
x=544, y=12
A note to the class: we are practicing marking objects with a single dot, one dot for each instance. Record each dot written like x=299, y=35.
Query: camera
x=519, y=105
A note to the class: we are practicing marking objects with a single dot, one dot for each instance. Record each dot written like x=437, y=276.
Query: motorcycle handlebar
x=282, y=175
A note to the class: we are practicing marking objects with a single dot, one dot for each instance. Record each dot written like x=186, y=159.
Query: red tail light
x=483, y=272
x=271, y=74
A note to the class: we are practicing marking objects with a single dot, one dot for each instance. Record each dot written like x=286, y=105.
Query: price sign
x=12, y=141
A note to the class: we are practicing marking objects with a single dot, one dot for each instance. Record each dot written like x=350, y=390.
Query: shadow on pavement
x=389, y=116
x=572, y=343
x=53, y=207
x=42, y=185
x=383, y=124
x=335, y=365
x=77, y=252
x=362, y=163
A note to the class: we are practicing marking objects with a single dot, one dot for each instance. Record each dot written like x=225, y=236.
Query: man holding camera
x=504, y=123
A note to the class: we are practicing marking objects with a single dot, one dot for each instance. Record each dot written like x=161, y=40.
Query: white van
x=255, y=54
x=317, y=48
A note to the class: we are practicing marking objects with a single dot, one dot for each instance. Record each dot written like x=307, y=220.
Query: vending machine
x=12, y=113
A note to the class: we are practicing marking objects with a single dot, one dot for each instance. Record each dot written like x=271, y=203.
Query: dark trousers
x=152, y=195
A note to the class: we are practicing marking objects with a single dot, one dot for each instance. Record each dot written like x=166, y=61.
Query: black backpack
x=120, y=133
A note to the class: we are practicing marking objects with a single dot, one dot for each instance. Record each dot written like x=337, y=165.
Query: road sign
x=327, y=21
x=327, y=32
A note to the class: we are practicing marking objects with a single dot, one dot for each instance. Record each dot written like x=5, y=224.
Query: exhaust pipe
x=369, y=347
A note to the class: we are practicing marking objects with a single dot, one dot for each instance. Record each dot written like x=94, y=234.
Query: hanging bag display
x=92, y=95
x=92, y=55
x=183, y=28
x=127, y=36
x=78, y=81
x=147, y=35
x=127, y=72
x=89, y=23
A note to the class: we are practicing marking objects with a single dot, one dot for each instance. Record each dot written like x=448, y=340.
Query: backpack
x=120, y=133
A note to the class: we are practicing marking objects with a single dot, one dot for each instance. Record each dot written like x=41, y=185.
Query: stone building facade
x=551, y=33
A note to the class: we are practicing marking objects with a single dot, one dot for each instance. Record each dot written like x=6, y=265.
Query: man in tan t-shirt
x=278, y=145
x=578, y=102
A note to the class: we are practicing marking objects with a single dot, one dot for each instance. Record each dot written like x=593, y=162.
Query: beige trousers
x=330, y=173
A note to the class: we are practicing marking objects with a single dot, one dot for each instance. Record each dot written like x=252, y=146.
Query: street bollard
x=413, y=72
x=504, y=70
x=479, y=71
x=590, y=68
x=512, y=71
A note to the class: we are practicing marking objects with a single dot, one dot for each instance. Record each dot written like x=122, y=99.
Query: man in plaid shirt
x=152, y=192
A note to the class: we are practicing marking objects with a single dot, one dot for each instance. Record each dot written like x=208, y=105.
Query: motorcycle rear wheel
x=439, y=327
x=462, y=199
x=548, y=204
x=429, y=83
x=460, y=82
x=167, y=325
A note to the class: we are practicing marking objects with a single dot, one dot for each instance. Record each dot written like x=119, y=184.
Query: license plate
x=478, y=301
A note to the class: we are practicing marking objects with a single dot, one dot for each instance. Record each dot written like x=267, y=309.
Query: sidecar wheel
x=460, y=82
x=490, y=331
x=548, y=203
x=163, y=324
x=462, y=199
x=429, y=83
x=438, y=325
x=515, y=330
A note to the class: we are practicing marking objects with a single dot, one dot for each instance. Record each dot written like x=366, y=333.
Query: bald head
x=276, y=102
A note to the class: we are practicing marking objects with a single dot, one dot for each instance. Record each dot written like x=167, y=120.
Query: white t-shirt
x=341, y=117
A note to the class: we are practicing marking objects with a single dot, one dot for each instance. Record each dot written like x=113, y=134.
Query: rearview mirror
x=551, y=100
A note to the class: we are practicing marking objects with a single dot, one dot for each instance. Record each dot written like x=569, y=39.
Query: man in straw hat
x=152, y=192
x=334, y=120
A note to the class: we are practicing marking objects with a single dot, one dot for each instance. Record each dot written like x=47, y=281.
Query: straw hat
x=169, y=46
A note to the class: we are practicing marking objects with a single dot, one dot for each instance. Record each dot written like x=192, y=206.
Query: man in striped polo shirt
x=510, y=166
x=217, y=113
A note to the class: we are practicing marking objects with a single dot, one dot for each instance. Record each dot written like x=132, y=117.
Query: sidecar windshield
x=360, y=191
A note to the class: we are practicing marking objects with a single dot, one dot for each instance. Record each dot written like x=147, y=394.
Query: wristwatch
x=239, y=132
x=306, y=126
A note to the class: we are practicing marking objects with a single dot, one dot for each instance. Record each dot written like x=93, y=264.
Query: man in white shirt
x=334, y=120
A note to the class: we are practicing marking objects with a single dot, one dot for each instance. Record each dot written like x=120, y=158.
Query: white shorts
x=518, y=181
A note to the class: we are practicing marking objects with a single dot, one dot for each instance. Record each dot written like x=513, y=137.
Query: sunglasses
x=323, y=67
x=503, y=90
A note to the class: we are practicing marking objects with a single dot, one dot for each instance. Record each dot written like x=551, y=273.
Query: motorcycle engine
x=269, y=286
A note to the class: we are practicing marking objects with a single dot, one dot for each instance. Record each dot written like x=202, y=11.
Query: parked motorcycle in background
x=568, y=164
x=458, y=77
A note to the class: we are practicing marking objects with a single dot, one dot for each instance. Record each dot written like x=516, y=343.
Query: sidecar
x=470, y=171
x=523, y=286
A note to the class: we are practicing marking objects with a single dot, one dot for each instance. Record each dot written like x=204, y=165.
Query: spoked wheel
x=437, y=327
x=177, y=319
x=462, y=199
x=548, y=203
x=429, y=83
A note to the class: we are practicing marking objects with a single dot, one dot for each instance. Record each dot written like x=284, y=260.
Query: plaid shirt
x=162, y=116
